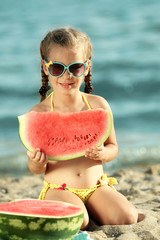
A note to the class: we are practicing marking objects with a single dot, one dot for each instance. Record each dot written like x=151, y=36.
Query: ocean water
x=126, y=70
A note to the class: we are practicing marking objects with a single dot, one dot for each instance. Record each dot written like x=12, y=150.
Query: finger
x=37, y=156
x=44, y=158
x=31, y=155
x=93, y=150
x=92, y=155
x=100, y=148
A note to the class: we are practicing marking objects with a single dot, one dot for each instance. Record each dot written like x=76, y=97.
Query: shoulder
x=96, y=101
x=43, y=106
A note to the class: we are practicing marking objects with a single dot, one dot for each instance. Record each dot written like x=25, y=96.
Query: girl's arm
x=109, y=150
x=37, y=161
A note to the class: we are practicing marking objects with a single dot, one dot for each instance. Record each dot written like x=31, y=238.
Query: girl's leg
x=68, y=197
x=109, y=207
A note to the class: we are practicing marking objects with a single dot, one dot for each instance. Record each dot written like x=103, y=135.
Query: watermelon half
x=39, y=219
x=64, y=136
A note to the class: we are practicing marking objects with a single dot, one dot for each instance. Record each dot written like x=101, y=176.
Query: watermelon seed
x=62, y=139
x=95, y=135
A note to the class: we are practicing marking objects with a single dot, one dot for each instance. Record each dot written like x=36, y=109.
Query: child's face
x=65, y=55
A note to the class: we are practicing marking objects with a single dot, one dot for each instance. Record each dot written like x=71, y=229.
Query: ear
x=87, y=68
x=44, y=67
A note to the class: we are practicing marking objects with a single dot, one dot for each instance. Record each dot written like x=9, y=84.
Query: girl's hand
x=96, y=153
x=37, y=158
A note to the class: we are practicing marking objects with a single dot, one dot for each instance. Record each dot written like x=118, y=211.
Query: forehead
x=66, y=55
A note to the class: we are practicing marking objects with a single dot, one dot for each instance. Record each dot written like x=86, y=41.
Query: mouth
x=66, y=85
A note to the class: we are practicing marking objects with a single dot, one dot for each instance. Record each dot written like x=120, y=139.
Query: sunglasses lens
x=77, y=69
x=56, y=69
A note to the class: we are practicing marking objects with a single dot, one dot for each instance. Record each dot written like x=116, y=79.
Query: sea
x=125, y=35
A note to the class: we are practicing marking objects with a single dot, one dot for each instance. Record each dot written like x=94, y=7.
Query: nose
x=66, y=74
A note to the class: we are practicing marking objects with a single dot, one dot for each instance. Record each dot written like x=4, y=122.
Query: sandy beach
x=141, y=186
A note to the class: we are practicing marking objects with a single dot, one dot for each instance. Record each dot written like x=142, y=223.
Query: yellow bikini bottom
x=83, y=194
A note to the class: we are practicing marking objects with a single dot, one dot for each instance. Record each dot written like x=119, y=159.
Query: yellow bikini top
x=84, y=99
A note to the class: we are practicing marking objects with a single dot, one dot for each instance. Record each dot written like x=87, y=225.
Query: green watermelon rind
x=18, y=227
x=21, y=130
x=67, y=156
x=27, y=226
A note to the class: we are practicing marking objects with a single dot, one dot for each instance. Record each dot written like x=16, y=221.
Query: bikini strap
x=86, y=102
x=51, y=101
x=51, y=95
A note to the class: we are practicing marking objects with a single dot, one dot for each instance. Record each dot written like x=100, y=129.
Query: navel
x=79, y=174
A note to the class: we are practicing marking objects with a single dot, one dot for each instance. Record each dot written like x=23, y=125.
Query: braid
x=45, y=87
x=88, y=85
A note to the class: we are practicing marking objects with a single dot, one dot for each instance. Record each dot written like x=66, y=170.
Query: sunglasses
x=57, y=69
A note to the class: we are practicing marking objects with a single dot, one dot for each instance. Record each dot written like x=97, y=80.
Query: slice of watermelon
x=37, y=219
x=64, y=136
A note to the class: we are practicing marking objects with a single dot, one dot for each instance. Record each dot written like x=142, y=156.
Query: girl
x=66, y=62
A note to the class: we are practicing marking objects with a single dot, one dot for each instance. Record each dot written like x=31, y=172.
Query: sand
x=141, y=186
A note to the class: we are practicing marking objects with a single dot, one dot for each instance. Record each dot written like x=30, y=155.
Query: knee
x=85, y=221
x=129, y=216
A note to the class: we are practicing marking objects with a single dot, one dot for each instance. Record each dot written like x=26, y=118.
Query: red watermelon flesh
x=40, y=208
x=64, y=136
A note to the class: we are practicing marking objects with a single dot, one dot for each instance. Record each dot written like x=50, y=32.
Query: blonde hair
x=66, y=37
